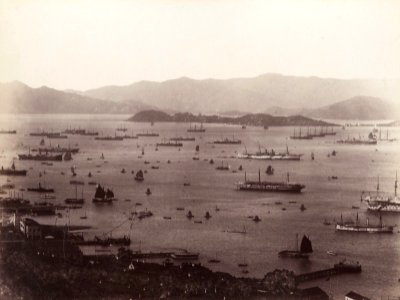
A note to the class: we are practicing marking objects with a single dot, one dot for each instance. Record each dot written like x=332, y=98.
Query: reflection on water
x=356, y=167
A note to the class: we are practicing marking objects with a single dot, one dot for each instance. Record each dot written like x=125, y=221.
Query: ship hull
x=13, y=172
x=270, y=187
x=40, y=157
x=364, y=229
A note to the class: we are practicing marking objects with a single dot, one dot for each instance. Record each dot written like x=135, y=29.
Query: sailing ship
x=8, y=131
x=139, y=176
x=196, y=129
x=269, y=186
x=227, y=141
x=305, y=249
x=123, y=129
x=103, y=196
x=185, y=255
x=148, y=134
x=354, y=141
x=41, y=157
x=381, y=202
x=299, y=136
x=12, y=171
x=41, y=189
x=57, y=149
x=169, y=144
x=182, y=139
x=223, y=167
x=270, y=155
x=109, y=138
x=367, y=228
x=75, y=200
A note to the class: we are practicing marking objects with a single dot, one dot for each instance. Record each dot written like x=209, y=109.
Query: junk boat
x=368, y=228
x=269, y=186
x=270, y=155
x=305, y=249
x=381, y=202
x=12, y=171
x=103, y=196
x=270, y=170
x=139, y=176
x=196, y=129
x=227, y=141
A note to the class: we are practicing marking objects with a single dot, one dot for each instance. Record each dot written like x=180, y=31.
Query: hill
x=248, y=119
x=357, y=108
x=16, y=97
x=255, y=94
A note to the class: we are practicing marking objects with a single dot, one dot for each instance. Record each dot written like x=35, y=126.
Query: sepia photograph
x=199, y=149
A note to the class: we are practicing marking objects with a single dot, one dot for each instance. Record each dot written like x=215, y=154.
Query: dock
x=340, y=268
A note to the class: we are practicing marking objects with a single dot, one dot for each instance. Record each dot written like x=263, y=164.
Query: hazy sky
x=87, y=44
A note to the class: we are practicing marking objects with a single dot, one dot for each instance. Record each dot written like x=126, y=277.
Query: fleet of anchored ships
x=375, y=202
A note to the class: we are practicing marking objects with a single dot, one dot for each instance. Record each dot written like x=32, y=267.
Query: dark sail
x=306, y=246
x=99, y=192
x=109, y=194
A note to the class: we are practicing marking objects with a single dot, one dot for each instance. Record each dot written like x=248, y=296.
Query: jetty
x=342, y=267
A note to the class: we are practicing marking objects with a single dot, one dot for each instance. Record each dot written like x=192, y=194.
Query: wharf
x=340, y=268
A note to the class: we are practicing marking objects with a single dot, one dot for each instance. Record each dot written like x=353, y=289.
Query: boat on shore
x=270, y=155
x=103, y=196
x=269, y=186
x=367, y=228
x=305, y=249
x=12, y=171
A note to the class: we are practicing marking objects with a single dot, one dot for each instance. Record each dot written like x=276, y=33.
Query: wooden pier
x=340, y=268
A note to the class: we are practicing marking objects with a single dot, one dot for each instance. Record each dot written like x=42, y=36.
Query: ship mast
x=377, y=186
x=395, y=186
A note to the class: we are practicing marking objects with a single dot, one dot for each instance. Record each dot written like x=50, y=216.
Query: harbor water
x=357, y=168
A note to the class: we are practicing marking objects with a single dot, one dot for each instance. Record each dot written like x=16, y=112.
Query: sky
x=87, y=44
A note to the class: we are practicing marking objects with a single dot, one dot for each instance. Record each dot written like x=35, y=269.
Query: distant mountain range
x=16, y=97
x=248, y=119
x=247, y=94
x=270, y=93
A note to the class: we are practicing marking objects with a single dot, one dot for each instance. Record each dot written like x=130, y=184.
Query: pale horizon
x=85, y=45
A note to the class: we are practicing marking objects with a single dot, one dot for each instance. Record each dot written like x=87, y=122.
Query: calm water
x=357, y=168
